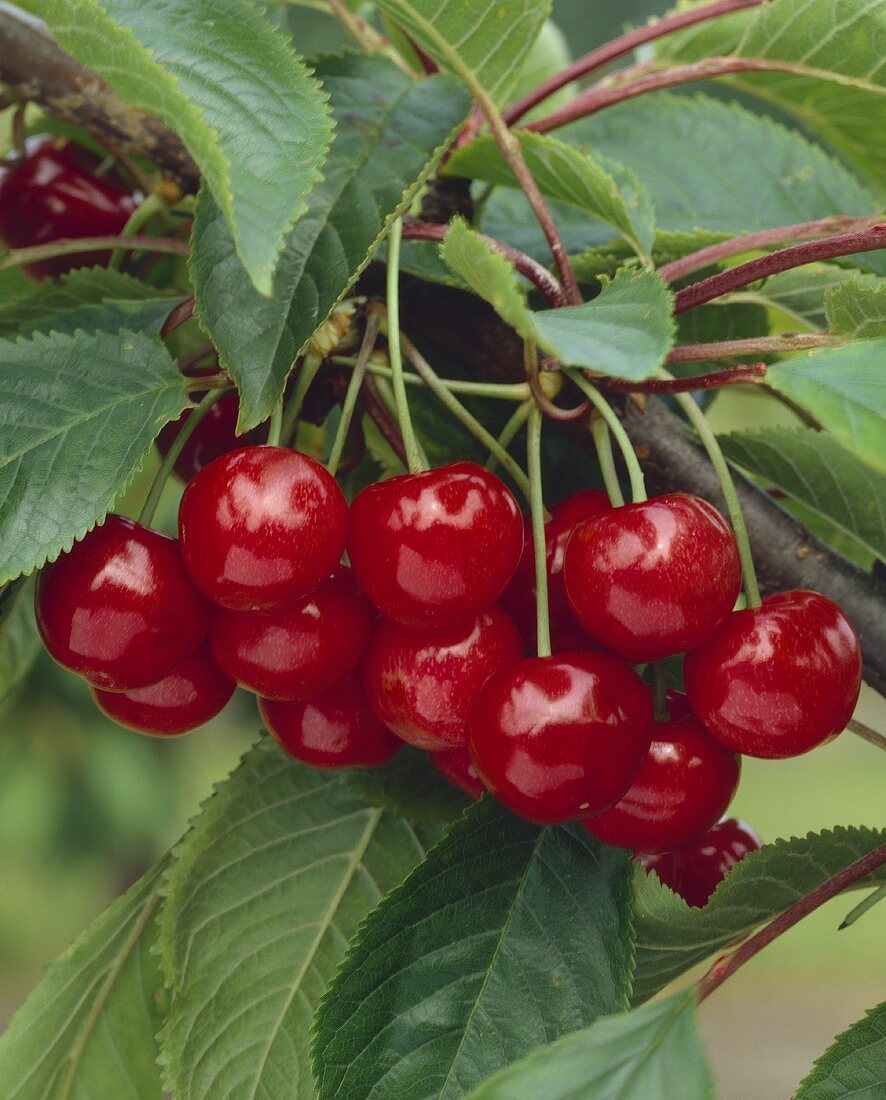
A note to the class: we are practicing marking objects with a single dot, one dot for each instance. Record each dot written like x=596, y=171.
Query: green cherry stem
x=275, y=425
x=603, y=444
x=70, y=246
x=142, y=214
x=537, y=509
x=307, y=372
x=504, y=391
x=187, y=429
x=370, y=335
x=864, y=906
x=413, y=454
x=635, y=473
x=515, y=422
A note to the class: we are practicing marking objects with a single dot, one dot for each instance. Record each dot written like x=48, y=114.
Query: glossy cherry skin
x=214, y=436
x=119, y=607
x=261, y=527
x=554, y=738
x=519, y=597
x=299, y=650
x=54, y=193
x=438, y=547
x=696, y=870
x=335, y=729
x=423, y=681
x=653, y=579
x=777, y=680
x=685, y=783
x=456, y=766
x=195, y=691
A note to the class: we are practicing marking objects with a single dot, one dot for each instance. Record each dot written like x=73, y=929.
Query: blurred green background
x=85, y=807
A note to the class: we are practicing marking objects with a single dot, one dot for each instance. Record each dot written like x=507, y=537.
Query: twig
x=16, y=257
x=754, y=345
x=866, y=733
x=754, y=372
x=377, y=411
x=184, y=311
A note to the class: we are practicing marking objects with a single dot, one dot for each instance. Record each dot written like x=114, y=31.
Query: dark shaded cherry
x=334, y=729
x=777, y=680
x=456, y=766
x=554, y=738
x=696, y=870
x=195, y=691
x=214, y=436
x=261, y=527
x=519, y=597
x=119, y=607
x=685, y=783
x=436, y=547
x=53, y=193
x=653, y=579
x=299, y=650
x=423, y=681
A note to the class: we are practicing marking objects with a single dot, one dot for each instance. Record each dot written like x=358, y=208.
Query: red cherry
x=423, y=682
x=335, y=729
x=186, y=698
x=53, y=193
x=436, y=547
x=119, y=608
x=519, y=597
x=261, y=526
x=215, y=435
x=456, y=766
x=652, y=579
x=696, y=870
x=777, y=680
x=683, y=786
x=296, y=651
x=554, y=738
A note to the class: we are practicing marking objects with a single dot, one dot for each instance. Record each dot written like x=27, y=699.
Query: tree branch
x=733, y=376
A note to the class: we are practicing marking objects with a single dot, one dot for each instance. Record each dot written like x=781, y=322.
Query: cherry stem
x=307, y=372
x=142, y=214
x=659, y=691
x=864, y=906
x=725, y=967
x=709, y=441
x=867, y=734
x=275, y=425
x=828, y=248
x=635, y=473
x=618, y=47
x=197, y=412
x=184, y=311
x=500, y=391
x=370, y=335
x=734, y=376
x=603, y=444
x=378, y=413
x=754, y=345
x=414, y=460
x=537, y=512
x=68, y=247
x=516, y=421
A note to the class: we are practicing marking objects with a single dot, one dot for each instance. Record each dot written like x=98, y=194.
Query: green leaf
x=800, y=294
x=505, y=938
x=857, y=308
x=652, y=1053
x=548, y=54
x=668, y=245
x=243, y=103
x=672, y=937
x=78, y=416
x=88, y=1028
x=19, y=640
x=814, y=469
x=853, y=1065
x=410, y=787
x=843, y=389
x=390, y=134
x=262, y=897
x=596, y=185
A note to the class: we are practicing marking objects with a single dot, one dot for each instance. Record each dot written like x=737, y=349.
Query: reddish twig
x=184, y=311
x=377, y=411
x=754, y=372
x=723, y=968
x=754, y=345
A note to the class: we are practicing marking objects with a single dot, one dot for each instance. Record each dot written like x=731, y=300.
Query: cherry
x=299, y=650
x=184, y=699
x=777, y=680
x=54, y=193
x=423, y=682
x=119, y=608
x=456, y=766
x=685, y=783
x=556, y=738
x=652, y=579
x=261, y=527
x=437, y=547
x=335, y=729
x=215, y=435
x=519, y=597
x=696, y=870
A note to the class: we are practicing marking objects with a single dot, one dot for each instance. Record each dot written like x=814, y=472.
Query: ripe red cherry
x=556, y=738
x=456, y=766
x=119, y=608
x=696, y=870
x=652, y=579
x=777, y=680
x=215, y=435
x=685, y=783
x=436, y=547
x=519, y=597
x=423, y=681
x=261, y=526
x=299, y=650
x=335, y=729
x=53, y=193
x=184, y=699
